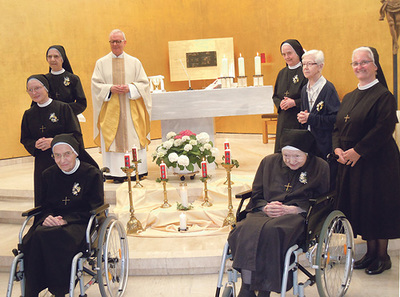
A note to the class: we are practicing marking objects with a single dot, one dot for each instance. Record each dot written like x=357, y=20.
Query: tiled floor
x=169, y=267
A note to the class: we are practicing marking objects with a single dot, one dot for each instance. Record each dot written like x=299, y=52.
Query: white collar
x=115, y=56
x=318, y=84
x=47, y=103
x=367, y=86
x=77, y=163
x=295, y=66
x=58, y=72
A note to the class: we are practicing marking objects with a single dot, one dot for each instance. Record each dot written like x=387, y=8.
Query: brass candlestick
x=138, y=184
x=230, y=218
x=206, y=202
x=165, y=204
x=133, y=226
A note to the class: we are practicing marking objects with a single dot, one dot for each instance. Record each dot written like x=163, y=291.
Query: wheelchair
x=328, y=246
x=104, y=259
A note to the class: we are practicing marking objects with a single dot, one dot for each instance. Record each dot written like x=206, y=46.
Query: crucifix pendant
x=42, y=128
x=287, y=187
x=286, y=93
x=346, y=118
x=57, y=94
x=66, y=200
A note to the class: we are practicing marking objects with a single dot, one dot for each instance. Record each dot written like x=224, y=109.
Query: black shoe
x=119, y=180
x=379, y=266
x=264, y=293
x=364, y=262
x=245, y=291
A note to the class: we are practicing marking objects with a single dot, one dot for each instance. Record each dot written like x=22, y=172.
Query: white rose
x=188, y=147
x=183, y=160
x=203, y=137
x=177, y=142
x=173, y=157
x=207, y=146
x=214, y=152
x=171, y=135
x=193, y=142
x=185, y=138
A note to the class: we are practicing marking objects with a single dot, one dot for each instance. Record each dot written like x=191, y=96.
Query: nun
x=275, y=214
x=287, y=90
x=71, y=189
x=65, y=86
x=40, y=123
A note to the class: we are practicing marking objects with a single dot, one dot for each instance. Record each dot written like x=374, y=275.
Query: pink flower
x=184, y=133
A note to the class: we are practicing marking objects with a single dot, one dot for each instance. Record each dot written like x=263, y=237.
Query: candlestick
x=224, y=67
x=257, y=64
x=227, y=156
x=184, y=195
x=127, y=160
x=241, y=66
x=230, y=218
x=204, y=168
x=138, y=184
x=163, y=170
x=206, y=202
x=226, y=145
x=134, y=154
x=165, y=204
x=133, y=226
x=182, y=222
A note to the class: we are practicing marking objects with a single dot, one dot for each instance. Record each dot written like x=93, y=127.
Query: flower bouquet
x=185, y=150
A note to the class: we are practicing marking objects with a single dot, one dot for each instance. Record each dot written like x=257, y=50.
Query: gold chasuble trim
x=109, y=120
x=141, y=121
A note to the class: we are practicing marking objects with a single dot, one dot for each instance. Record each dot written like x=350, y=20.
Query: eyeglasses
x=116, y=41
x=35, y=89
x=53, y=56
x=362, y=63
x=64, y=155
x=309, y=64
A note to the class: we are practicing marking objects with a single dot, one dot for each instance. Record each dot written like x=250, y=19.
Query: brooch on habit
x=76, y=189
x=295, y=79
x=66, y=81
x=53, y=118
x=320, y=106
x=303, y=178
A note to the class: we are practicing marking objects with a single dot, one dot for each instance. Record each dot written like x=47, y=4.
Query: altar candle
x=182, y=221
x=203, y=168
x=228, y=156
x=184, y=196
x=134, y=154
x=257, y=64
x=163, y=170
x=127, y=159
x=224, y=67
x=226, y=144
x=241, y=66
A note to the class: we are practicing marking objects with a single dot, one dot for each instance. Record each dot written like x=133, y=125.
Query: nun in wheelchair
x=275, y=215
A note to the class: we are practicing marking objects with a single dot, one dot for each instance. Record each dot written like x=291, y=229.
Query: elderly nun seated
x=71, y=189
x=275, y=214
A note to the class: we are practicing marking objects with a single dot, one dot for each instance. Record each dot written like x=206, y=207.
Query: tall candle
x=163, y=170
x=228, y=156
x=184, y=196
x=224, y=67
x=226, y=144
x=257, y=64
x=127, y=159
x=182, y=221
x=241, y=66
x=134, y=154
x=203, y=168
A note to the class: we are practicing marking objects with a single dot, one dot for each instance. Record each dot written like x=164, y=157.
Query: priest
x=121, y=106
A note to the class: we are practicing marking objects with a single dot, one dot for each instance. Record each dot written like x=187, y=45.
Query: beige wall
x=29, y=27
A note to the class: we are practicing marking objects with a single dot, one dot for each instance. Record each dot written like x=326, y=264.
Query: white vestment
x=102, y=81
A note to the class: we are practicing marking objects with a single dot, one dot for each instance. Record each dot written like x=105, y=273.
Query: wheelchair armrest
x=100, y=209
x=244, y=195
x=33, y=211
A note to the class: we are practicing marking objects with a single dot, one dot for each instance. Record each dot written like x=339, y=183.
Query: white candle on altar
x=184, y=196
x=182, y=221
x=257, y=64
x=241, y=66
x=224, y=67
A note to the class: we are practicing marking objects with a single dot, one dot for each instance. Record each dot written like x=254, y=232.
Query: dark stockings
x=377, y=248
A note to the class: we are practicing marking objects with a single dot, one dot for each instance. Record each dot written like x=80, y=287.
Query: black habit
x=48, y=251
x=258, y=242
x=369, y=192
x=49, y=121
x=288, y=84
x=67, y=87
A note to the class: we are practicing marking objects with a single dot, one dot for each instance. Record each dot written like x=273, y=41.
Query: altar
x=195, y=109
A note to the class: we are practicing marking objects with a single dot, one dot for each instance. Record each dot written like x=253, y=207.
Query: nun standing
x=287, y=90
x=64, y=85
x=44, y=120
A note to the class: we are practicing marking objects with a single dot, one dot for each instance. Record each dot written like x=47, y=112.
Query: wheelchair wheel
x=112, y=258
x=335, y=256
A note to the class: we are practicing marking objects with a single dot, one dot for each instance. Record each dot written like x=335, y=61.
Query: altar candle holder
x=133, y=226
x=242, y=81
x=206, y=202
x=165, y=204
x=138, y=184
x=230, y=218
x=258, y=80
